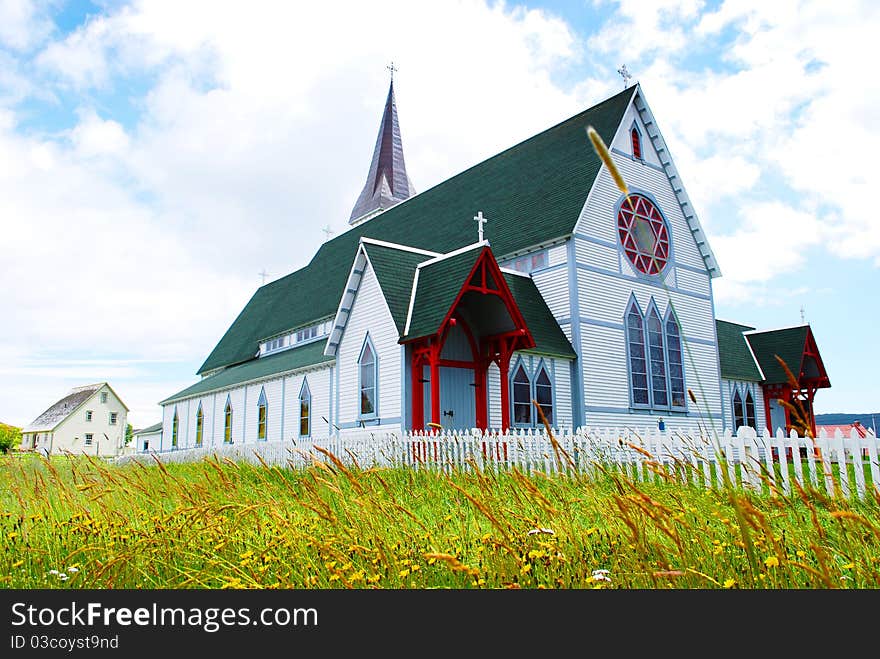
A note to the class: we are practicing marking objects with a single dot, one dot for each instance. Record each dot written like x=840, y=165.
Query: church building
x=527, y=277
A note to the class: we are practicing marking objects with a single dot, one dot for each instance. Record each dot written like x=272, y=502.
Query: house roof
x=790, y=344
x=845, y=429
x=531, y=194
x=737, y=361
x=63, y=408
x=156, y=427
x=292, y=359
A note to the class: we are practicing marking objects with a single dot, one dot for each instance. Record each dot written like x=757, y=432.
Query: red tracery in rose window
x=643, y=234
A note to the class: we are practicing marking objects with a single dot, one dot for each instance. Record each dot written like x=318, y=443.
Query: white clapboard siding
x=553, y=286
x=691, y=281
x=557, y=255
x=622, y=140
x=695, y=458
x=605, y=256
x=369, y=313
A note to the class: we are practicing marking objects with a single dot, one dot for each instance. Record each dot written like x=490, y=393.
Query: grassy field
x=81, y=523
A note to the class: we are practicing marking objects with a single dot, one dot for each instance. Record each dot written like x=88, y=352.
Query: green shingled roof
x=156, y=427
x=531, y=193
x=788, y=343
x=737, y=362
x=438, y=286
x=549, y=337
x=286, y=360
x=395, y=269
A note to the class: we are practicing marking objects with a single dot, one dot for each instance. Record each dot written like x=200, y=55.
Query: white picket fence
x=841, y=466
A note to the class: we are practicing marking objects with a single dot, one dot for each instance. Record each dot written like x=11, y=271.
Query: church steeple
x=387, y=181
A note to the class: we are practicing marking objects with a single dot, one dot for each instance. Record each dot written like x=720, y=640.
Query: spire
x=387, y=181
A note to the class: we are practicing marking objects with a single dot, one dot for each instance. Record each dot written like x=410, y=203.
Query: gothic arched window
x=227, y=422
x=657, y=359
x=676, y=364
x=544, y=394
x=200, y=425
x=522, y=406
x=262, y=415
x=174, y=427
x=738, y=419
x=305, y=410
x=636, y=142
x=367, y=375
x=751, y=421
x=638, y=364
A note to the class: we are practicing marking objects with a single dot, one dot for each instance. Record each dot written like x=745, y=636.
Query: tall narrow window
x=544, y=394
x=305, y=411
x=367, y=365
x=636, y=142
x=262, y=414
x=751, y=421
x=200, y=424
x=657, y=359
x=174, y=426
x=522, y=406
x=737, y=411
x=638, y=364
x=88, y=415
x=227, y=422
x=676, y=364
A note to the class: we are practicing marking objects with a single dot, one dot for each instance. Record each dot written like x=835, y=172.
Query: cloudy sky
x=156, y=157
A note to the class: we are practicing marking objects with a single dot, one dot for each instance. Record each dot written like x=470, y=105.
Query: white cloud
x=23, y=23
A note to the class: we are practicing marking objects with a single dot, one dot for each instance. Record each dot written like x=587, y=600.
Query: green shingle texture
x=395, y=270
x=549, y=337
x=736, y=359
x=531, y=193
x=788, y=343
x=287, y=360
x=438, y=286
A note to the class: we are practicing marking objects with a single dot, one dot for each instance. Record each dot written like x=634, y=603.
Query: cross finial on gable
x=392, y=68
x=626, y=75
x=480, y=220
x=263, y=274
x=327, y=232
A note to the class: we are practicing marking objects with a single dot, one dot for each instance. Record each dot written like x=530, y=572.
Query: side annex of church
x=527, y=277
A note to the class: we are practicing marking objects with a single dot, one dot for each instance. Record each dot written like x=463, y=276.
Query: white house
x=144, y=438
x=90, y=419
x=528, y=277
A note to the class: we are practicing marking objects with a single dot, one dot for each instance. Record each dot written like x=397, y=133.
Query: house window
x=305, y=411
x=174, y=426
x=227, y=423
x=113, y=417
x=638, y=364
x=88, y=440
x=636, y=142
x=751, y=421
x=262, y=412
x=657, y=359
x=643, y=234
x=88, y=415
x=522, y=406
x=544, y=394
x=200, y=424
x=367, y=366
x=738, y=419
x=676, y=364
x=103, y=396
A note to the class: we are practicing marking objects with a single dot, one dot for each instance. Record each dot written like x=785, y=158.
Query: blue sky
x=156, y=156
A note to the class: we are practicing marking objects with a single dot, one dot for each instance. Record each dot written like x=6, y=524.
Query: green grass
x=225, y=525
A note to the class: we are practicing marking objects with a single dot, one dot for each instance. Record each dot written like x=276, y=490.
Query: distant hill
x=841, y=418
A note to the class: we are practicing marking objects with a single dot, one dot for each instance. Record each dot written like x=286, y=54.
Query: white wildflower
x=73, y=569
x=53, y=572
x=601, y=575
x=63, y=577
x=536, y=531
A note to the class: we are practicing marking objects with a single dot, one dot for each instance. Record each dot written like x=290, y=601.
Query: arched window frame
x=262, y=416
x=372, y=381
x=634, y=311
x=738, y=409
x=749, y=409
x=305, y=410
x=517, y=403
x=200, y=425
x=227, y=421
x=658, y=367
x=635, y=140
x=672, y=317
x=175, y=427
x=544, y=369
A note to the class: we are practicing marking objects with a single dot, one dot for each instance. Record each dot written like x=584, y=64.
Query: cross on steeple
x=263, y=274
x=626, y=75
x=392, y=68
x=480, y=220
x=327, y=232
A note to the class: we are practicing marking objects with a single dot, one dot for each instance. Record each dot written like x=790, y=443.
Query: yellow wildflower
x=729, y=583
x=771, y=561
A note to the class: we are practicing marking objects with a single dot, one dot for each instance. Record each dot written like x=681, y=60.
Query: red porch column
x=480, y=394
x=435, y=383
x=503, y=368
x=418, y=394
